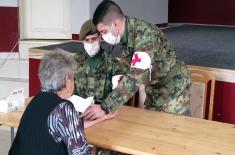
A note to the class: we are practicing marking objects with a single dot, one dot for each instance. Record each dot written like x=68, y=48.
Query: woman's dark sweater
x=33, y=136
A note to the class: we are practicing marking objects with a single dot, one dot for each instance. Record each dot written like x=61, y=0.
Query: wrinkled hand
x=88, y=123
x=110, y=115
x=93, y=112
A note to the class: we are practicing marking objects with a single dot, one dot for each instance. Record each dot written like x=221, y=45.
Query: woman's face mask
x=110, y=38
x=92, y=48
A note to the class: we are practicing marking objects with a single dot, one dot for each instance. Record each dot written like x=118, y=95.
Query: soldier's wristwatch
x=105, y=109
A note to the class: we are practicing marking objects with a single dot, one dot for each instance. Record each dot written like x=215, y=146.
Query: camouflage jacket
x=94, y=75
x=170, y=79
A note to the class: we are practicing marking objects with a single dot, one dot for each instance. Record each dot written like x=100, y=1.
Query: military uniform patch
x=141, y=60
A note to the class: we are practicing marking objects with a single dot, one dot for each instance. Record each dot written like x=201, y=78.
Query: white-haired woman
x=50, y=124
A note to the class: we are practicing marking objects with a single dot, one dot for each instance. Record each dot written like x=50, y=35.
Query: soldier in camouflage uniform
x=95, y=67
x=95, y=70
x=167, y=81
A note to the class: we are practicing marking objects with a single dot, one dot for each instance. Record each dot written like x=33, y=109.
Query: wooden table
x=138, y=131
x=12, y=119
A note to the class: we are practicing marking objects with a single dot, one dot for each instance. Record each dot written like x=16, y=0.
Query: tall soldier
x=147, y=58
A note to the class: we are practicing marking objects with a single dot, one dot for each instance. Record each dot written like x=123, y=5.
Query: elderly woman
x=50, y=124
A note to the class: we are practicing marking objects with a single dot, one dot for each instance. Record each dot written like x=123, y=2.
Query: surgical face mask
x=92, y=48
x=110, y=38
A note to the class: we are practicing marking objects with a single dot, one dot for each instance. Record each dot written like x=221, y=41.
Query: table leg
x=95, y=150
x=12, y=134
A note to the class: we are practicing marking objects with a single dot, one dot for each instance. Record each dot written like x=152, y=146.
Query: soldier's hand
x=93, y=112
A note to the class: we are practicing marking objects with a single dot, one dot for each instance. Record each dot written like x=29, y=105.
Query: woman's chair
x=202, y=92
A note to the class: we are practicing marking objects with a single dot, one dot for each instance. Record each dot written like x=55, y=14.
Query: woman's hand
x=88, y=123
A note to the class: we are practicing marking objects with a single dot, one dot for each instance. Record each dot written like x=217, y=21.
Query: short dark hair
x=107, y=11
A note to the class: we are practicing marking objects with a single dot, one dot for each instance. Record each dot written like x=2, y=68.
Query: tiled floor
x=4, y=140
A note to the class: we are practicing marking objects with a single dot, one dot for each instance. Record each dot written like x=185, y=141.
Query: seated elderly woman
x=50, y=124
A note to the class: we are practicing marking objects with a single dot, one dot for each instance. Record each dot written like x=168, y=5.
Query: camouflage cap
x=88, y=28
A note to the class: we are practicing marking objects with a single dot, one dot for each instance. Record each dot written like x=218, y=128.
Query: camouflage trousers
x=180, y=105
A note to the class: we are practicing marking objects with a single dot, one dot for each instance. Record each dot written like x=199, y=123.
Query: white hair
x=53, y=69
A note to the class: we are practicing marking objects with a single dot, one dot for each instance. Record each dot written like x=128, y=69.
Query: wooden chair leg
x=132, y=102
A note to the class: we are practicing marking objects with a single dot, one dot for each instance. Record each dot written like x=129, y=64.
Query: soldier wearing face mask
x=96, y=66
x=148, y=60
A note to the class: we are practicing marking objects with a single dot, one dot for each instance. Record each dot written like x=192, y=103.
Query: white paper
x=115, y=80
x=80, y=103
x=15, y=101
x=16, y=98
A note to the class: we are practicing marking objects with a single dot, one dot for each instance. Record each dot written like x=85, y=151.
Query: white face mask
x=92, y=48
x=110, y=38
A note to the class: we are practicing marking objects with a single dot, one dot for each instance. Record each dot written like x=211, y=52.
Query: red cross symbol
x=135, y=59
